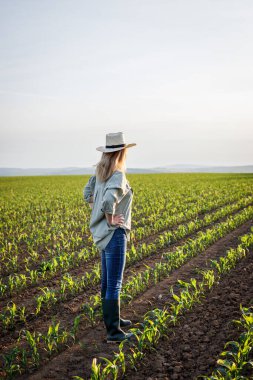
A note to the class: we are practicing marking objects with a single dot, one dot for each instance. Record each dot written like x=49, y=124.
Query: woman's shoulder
x=117, y=179
x=118, y=173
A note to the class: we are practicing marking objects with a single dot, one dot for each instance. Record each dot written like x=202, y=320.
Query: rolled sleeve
x=110, y=200
x=88, y=190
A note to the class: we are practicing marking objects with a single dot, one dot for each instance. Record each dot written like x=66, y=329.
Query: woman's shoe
x=111, y=311
x=119, y=338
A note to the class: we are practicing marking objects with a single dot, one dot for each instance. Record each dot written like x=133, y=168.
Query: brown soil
x=196, y=342
x=77, y=359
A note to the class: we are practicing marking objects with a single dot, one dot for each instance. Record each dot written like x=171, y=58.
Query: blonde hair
x=109, y=162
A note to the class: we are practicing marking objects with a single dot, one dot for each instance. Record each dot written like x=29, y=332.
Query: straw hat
x=114, y=141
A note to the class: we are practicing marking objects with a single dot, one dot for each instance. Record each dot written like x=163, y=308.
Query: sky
x=175, y=76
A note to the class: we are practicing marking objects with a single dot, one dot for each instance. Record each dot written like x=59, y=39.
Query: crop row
x=159, y=322
x=235, y=361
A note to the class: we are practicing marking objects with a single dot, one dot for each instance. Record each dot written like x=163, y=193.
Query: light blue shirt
x=113, y=196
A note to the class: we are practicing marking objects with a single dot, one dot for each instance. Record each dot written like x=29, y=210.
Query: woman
x=110, y=196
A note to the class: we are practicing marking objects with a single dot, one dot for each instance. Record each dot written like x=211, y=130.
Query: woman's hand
x=118, y=219
x=115, y=220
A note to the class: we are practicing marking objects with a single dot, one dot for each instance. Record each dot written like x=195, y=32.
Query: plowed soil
x=198, y=338
x=197, y=341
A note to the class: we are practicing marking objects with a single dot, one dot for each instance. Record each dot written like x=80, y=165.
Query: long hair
x=109, y=162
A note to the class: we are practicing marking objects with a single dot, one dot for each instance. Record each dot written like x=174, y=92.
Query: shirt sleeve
x=88, y=190
x=110, y=199
x=113, y=193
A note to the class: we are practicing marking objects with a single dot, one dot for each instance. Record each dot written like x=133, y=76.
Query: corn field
x=187, y=287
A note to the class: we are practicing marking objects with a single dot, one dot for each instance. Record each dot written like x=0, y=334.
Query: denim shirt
x=113, y=196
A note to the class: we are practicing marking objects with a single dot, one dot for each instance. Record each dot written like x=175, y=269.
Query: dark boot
x=111, y=315
x=123, y=322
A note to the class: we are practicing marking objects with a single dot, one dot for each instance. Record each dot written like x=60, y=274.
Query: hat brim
x=107, y=150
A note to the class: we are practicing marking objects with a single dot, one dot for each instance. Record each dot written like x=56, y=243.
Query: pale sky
x=175, y=76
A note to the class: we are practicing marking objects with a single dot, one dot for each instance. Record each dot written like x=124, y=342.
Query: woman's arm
x=109, y=202
x=111, y=197
x=88, y=190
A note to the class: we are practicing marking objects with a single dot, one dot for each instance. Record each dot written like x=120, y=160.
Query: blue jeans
x=113, y=259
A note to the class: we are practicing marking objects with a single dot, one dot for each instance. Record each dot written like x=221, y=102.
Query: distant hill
x=206, y=169
x=7, y=172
